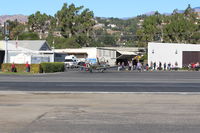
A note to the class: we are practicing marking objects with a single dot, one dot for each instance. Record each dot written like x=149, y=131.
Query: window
x=69, y=60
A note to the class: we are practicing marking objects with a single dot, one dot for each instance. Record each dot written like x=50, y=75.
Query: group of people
x=146, y=67
x=140, y=66
x=194, y=65
x=164, y=67
x=14, y=69
x=130, y=66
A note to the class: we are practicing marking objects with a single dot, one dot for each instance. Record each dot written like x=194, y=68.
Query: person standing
x=147, y=67
x=132, y=66
x=165, y=65
x=123, y=66
x=129, y=65
x=154, y=66
x=151, y=65
x=160, y=66
x=139, y=67
x=169, y=66
x=119, y=66
x=27, y=67
x=13, y=69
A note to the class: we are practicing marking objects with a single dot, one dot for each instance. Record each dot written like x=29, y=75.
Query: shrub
x=50, y=67
x=29, y=36
x=185, y=68
x=35, y=68
x=6, y=67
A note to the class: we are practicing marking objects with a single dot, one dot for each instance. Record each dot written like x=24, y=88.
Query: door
x=2, y=53
x=190, y=57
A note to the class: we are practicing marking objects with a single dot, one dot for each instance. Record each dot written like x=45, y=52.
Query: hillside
x=23, y=19
x=19, y=17
x=103, y=31
x=197, y=9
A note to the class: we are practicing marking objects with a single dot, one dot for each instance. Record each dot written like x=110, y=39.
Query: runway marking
x=135, y=81
x=127, y=85
x=75, y=92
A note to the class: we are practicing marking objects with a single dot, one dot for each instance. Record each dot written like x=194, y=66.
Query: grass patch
x=18, y=73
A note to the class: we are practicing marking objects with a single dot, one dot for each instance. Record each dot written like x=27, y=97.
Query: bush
x=29, y=36
x=63, y=42
x=35, y=68
x=175, y=68
x=185, y=68
x=50, y=67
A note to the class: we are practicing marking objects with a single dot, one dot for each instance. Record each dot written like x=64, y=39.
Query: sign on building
x=39, y=59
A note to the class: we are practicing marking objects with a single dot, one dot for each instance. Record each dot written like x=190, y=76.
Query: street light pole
x=6, y=32
x=53, y=48
x=6, y=49
x=53, y=59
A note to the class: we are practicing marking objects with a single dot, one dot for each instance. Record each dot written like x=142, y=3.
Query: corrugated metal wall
x=190, y=57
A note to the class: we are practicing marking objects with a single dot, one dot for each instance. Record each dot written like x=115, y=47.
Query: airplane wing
x=103, y=68
x=96, y=67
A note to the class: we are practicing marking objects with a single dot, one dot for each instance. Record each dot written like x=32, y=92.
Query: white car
x=71, y=61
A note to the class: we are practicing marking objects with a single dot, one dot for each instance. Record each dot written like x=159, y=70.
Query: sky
x=101, y=8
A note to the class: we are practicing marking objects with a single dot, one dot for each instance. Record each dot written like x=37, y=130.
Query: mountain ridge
x=196, y=9
x=20, y=17
x=24, y=19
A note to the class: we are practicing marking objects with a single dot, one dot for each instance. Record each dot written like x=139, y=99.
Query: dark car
x=81, y=63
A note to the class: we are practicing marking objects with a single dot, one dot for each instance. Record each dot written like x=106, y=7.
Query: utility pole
x=161, y=39
x=53, y=48
x=6, y=32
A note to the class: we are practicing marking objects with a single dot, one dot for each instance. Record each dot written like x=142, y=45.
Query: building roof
x=129, y=49
x=127, y=52
x=35, y=45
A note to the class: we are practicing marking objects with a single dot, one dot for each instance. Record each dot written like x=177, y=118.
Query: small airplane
x=99, y=66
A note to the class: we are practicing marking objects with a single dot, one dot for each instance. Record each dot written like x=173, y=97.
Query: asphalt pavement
x=114, y=102
x=99, y=113
x=103, y=82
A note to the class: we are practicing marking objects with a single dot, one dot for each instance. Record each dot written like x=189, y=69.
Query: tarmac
x=99, y=113
x=26, y=108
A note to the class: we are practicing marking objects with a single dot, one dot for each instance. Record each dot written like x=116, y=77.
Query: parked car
x=70, y=61
x=81, y=63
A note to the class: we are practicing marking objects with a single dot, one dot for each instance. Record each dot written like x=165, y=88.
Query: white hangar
x=175, y=54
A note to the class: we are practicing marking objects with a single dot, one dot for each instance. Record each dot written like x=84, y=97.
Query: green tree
x=12, y=26
x=75, y=22
x=108, y=40
x=28, y=36
x=39, y=22
x=181, y=27
x=67, y=19
x=19, y=29
x=151, y=30
x=176, y=28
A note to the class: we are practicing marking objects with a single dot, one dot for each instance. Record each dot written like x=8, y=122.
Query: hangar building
x=175, y=54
